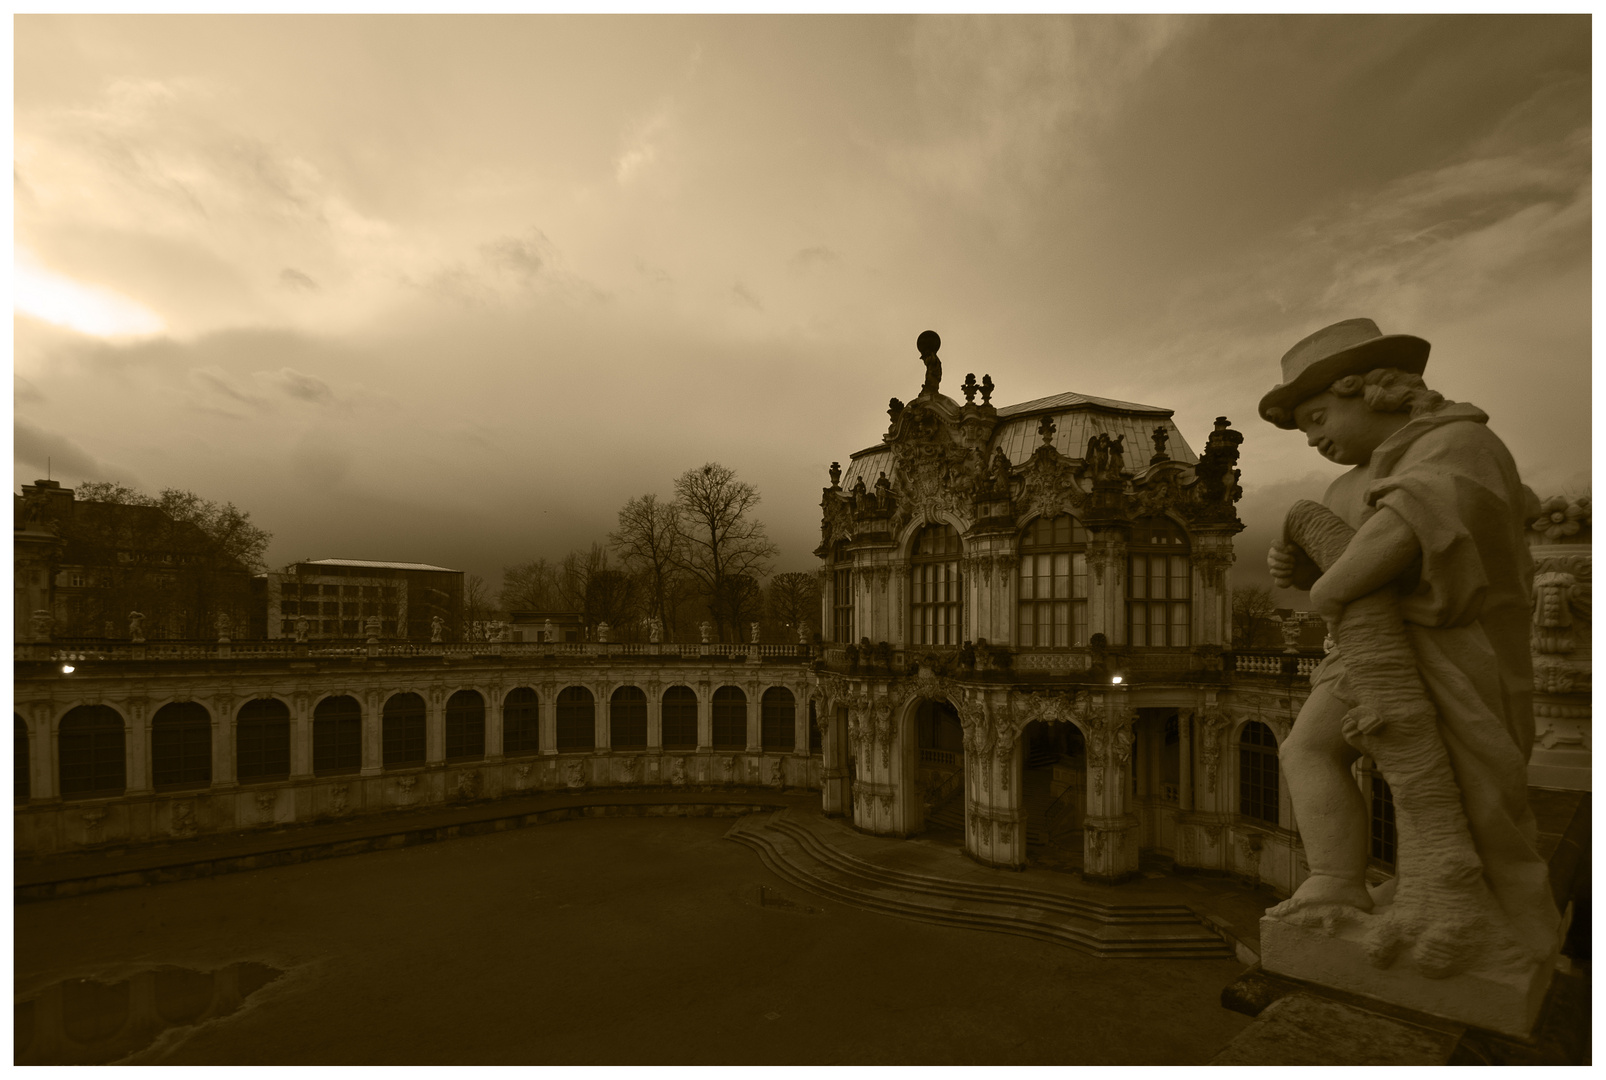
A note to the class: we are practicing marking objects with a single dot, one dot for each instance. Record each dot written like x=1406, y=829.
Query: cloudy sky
x=451, y=290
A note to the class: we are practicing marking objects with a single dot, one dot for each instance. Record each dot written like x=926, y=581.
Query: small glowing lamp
x=1115, y=680
x=66, y=669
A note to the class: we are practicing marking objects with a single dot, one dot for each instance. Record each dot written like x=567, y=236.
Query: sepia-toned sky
x=452, y=289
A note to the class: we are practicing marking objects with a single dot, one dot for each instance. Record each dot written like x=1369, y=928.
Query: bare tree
x=1250, y=603
x=228, y=529
x=530, y=586
x=649, y=543
x=476, y=609
x=794, y=601
x=721, y=541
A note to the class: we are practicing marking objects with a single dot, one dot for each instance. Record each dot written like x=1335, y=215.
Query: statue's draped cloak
x=1452, y=481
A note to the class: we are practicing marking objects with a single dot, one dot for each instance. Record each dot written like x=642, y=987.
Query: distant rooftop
x=1071, y=399
x=378, y=565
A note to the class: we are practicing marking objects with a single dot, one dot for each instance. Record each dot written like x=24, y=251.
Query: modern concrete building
x=336, y=597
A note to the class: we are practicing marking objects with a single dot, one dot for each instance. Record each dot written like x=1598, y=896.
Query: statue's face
x=1343, y=429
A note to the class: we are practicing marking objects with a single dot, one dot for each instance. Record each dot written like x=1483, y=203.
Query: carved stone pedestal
x=1110, y=848
x=1506, y=1001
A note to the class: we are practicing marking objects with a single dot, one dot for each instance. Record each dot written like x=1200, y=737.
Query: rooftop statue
x=1417, y=561
x=928, y=343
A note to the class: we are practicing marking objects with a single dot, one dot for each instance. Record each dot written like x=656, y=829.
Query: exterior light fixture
x=1115, y=680
x=66, y=669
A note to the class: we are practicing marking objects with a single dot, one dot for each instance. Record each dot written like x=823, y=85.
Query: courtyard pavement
x=621, y=941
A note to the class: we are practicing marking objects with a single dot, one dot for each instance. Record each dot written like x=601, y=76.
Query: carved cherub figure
x=1418, y=563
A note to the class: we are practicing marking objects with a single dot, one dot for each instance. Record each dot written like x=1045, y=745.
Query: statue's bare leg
x=1333, y=820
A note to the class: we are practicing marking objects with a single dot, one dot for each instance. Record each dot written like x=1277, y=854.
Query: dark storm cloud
x=741, y=295
x=294, y=279
x=522, y=256
x=814, y=256
x=40, y=449
x=1150, y=209
x=298, y=385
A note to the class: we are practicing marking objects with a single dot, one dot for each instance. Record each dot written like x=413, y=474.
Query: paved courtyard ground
x=610, y=941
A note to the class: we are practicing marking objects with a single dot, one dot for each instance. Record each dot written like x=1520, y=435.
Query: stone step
x=1108, y=913
x=794, y=854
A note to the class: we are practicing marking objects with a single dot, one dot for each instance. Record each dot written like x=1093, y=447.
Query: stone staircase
x=796, y=851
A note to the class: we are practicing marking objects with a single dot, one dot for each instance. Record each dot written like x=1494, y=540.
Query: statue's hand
x=1280, y=561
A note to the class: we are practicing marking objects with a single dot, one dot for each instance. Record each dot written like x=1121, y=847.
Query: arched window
x=1159, y=584
x=20, y=765
x=91, y=747
x=1053, y=584
x=730, y=718
x=521, y=722
x=936, y=591
x=336, y=736
x=680, y=718
x=577, y=719
x=181, y=746
x=465, y=726
x=815, y=739
x=262, y=740
x=778, y=716
x=627, y=719
x=1257, y=772
x=402, y=731
x=841, y=594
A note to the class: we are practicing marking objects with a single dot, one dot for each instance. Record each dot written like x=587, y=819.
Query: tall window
x=627, y=719
x=936, y=597
x=730, y=718
x=20, y=764
x=92, y=753
x=1159, y=584
x=1257, y=772
x=841, y=594
x=403, y=731
x=1053, y=584
x=262, y=741
x=181, y=745
x=680, y=718
x=816, y=740
x=521, y=722
x=778, y=719
x=577, y=719
x=465, y=726
x=336, y=736
x=1383, y=837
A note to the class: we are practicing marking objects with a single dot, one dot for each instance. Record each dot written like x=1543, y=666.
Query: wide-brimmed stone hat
x=1351, y=347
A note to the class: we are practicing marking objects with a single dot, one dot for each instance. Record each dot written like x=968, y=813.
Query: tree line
x=700, y=556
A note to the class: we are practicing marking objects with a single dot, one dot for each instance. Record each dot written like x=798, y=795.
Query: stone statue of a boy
x=1438, y=513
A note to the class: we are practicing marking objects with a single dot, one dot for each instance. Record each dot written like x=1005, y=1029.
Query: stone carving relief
x=339, y=797
x=1557, y=597
x=404, y=789
x=183, y=819
x=677, y=772
x=574, y=774
x=521, y=777
x=468, y=784
x=267, y=803
x=1212, y=723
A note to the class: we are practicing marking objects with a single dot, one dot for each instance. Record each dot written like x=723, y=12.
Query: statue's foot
x=1323, y=899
